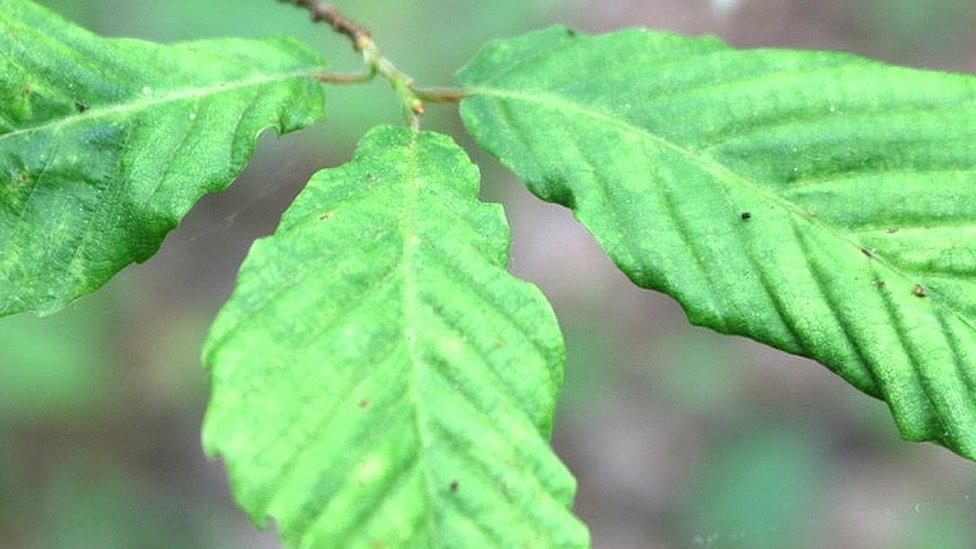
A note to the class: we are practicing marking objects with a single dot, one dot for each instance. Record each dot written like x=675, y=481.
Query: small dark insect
x=326, y=216
x=919, y=290
x=892, y=230
x=880, y=284
x=81, y=107
x=867, y=252
x=746, y=216
x=454, y=486
x=571, y=32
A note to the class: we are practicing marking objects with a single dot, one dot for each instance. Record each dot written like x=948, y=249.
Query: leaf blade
x=417, y=378
x=731, y=181
x=106, y=144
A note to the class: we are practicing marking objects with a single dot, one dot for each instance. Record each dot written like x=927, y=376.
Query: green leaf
x=821, y=203
x=106, y=144
x=379, y=379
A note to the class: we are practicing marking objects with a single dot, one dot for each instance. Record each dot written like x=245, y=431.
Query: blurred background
x=679, y=437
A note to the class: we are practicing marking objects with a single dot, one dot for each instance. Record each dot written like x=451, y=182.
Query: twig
x=324, y=11
x=413, y=98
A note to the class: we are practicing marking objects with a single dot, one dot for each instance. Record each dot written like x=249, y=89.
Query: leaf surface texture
x=106, y=144
x=379, y=379
x=818, y=202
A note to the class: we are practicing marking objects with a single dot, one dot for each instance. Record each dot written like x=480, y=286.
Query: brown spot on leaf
x=880, y=284
x=919, y=291
x=365, y=403
x=454, y=486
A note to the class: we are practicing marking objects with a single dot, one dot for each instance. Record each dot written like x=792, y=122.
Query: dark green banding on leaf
x=818, y=202
x=106, y=144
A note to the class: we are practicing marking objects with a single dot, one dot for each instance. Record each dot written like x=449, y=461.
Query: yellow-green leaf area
x=379, y=378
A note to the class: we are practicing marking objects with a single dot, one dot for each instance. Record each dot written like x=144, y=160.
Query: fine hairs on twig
x=412, y=97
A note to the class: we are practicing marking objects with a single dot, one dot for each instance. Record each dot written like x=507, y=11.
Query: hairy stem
x=412, y=98
x=401, y=82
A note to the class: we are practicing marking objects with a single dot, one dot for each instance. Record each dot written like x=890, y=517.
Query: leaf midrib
x=718, y=170
x=410, y=305
x=152, y=101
